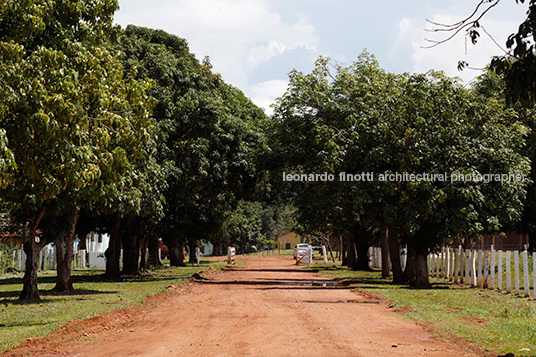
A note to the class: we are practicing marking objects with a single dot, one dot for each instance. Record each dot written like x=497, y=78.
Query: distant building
x=208, y=249
x=288, y=241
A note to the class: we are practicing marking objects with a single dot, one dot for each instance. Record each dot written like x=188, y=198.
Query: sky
x=254, y=44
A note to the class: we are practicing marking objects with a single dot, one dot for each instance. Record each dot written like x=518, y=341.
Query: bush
x=6, y=258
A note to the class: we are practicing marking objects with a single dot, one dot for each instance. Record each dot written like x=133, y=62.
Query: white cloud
x=445, y=56
x=238, y=35
x=265, y=93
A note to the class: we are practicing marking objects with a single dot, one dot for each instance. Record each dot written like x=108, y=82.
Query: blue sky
x=255, y=43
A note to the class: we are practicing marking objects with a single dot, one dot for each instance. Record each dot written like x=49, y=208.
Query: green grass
x=493, y=320
x=94, y=296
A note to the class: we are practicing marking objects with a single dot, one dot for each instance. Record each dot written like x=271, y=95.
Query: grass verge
x=20, y=320
x=493, y=320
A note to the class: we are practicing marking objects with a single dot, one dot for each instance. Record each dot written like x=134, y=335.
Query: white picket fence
x=375, y=257
x=46, y=260
x=487, y=269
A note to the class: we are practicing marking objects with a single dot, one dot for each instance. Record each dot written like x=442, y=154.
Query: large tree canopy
x=73, y=125
x=363, y=120
x=208, y=133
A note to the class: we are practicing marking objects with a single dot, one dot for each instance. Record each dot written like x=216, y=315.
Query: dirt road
x=265, y=307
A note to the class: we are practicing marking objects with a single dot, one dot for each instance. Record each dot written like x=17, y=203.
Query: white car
x=303, y=246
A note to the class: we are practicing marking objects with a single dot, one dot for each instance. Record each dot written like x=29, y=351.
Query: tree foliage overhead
x=208, y=133
x=360, y=119
x=75, y=128
x=518, y=64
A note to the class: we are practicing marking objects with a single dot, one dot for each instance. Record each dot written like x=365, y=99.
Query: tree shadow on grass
x=15, y=301
x=378, y=283
x=11, y=297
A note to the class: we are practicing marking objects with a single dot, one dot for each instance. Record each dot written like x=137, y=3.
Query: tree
x=67, y=113
x=317, y=129
x=362, y=121
x=209, y=136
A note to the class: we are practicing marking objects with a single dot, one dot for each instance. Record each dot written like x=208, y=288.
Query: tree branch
x=465, y=24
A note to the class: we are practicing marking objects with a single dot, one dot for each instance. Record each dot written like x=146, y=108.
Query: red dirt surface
x=266, y=307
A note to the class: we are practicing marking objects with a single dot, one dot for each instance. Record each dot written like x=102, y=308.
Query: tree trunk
x=421, y=270
x=153, y=259
x=394, y=252
x=344, y=250
x=351, y=252
x=532, y=242
x=409, y=272
x=64, y=283
x=362, y=240
x=114, y=250
x=328, y=242
x=384, y=245
x=176, y=257
x=32, y=249
x=362, y=261
x=191, y=246
x=30, y=290
x=131, y=252
x=143, y=244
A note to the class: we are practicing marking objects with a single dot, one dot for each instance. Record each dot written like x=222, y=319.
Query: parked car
x=302, y=246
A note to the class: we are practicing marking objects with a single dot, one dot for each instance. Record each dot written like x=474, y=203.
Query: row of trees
x=122, y=131
x=361, y=119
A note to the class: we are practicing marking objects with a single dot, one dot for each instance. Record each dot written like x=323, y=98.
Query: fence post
x=50, y=257
x=534, y=275
x=526, y=283
x=516, y=271
x=197, y=255
x=456, y=264
x=508, y=272
x=492, y=269
x=83, y=262
x=73, y=261
x=403, y=258
x=378, y=257
x=438, y=264
x=500, y=271
x=473, y=267
x=452, y=265
x=443, y=261
x=486, y=269
x=447, y=263
x=480, y=281
x=467, y=280
x=460, y=264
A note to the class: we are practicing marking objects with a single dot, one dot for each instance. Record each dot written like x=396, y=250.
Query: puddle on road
x=343, y=301
x=300, y=283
